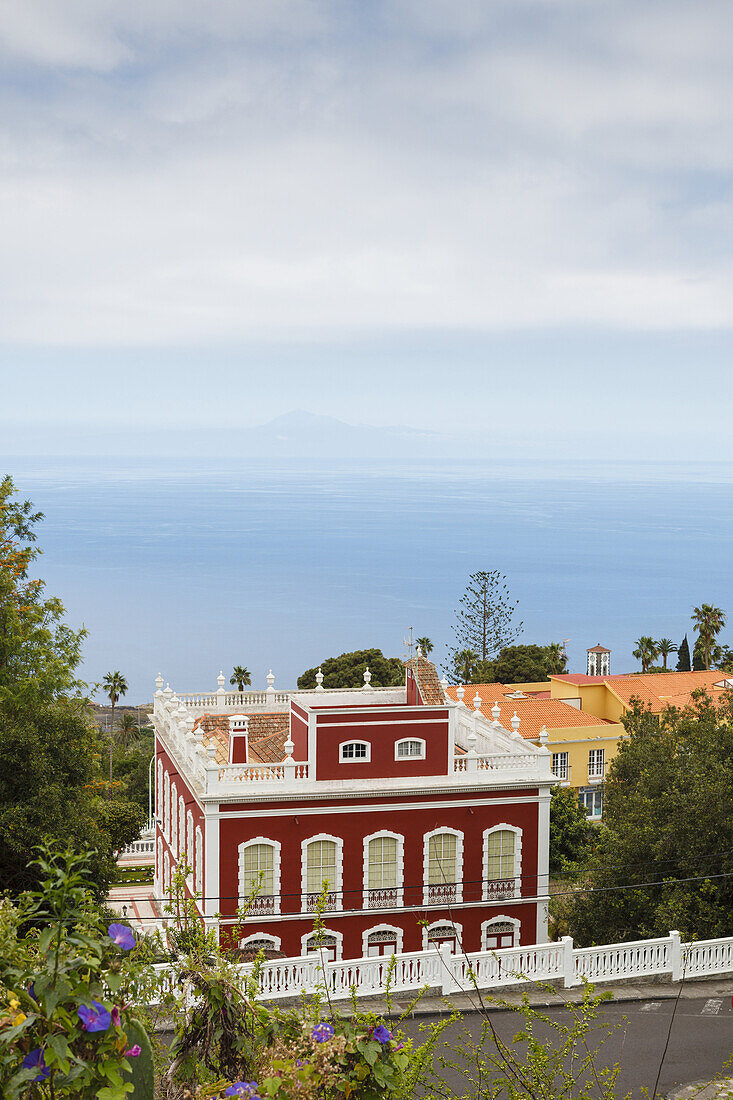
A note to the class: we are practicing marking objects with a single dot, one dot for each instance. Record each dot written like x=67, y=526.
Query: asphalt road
x=701, y=1041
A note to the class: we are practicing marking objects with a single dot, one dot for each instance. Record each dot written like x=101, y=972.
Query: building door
x=498, y=935
x=443, y=933
x=381, y=943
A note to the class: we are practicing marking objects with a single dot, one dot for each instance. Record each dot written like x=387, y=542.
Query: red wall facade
x=382, y=730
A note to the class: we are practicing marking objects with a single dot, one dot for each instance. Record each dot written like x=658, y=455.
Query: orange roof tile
x=533, y=713
x=267, y=734
x=427, y=677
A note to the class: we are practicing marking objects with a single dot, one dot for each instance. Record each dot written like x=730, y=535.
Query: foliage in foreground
x=67, y=1028
x=664, y=855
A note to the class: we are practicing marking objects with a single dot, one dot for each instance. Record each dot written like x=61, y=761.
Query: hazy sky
x=512, y=215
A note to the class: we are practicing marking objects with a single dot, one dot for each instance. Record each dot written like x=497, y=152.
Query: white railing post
x=675, y=955
x=447, y=970
x=221, y=695
x=568, y=962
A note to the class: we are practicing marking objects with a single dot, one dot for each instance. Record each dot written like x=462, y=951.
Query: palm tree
x=115, y=686
x=241, y=677
x=646, y=651
x=425, y=645
x=558, y=658
x=465, y=663
x=665, y=646
x=127, y=730
x=709, y=621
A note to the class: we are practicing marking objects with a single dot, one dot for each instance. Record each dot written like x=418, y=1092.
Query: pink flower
x=133, y=1052
x=115, y=1014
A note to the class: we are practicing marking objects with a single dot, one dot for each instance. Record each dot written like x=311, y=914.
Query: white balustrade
x=439, y=969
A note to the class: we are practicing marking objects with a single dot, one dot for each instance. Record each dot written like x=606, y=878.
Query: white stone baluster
x=367, y=678
x=221, y=695
x=319, y=680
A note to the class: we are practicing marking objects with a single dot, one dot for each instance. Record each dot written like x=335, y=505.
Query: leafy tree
x=571, y=832
x=51, y=785
x=668, y=817
x=39, y=653
x=241, y=677
x=115, y=685
x=709, y=621
x=127, y=729
x=646, y=651
x=131, y=767
x=347, y=671
x=683, y=656
x=484, y=617
x=664, y=647
x=425, y=645
x=517, y=664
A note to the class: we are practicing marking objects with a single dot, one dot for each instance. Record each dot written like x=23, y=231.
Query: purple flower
x=381, y=1034
x=32, y=990
x=398, y=1046
x=115, y=1016
x=34, y=1060
x=247, y=1089
x=94, y=1017
x=133, y=1052
x=321, y=1032
x=122, y=936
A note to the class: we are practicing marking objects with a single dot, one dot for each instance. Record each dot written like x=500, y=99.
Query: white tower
x=599, y=661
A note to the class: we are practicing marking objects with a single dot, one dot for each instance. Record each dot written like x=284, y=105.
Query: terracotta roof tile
x=427, y=676
x=532, y=712
x=267, y=734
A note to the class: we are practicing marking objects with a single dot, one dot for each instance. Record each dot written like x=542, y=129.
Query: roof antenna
x=409, y=645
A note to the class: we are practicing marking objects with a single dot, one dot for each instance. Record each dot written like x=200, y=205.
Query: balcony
x=496, y=888
x=442, y=893
x=386, y=898
x=596, y=772
x=330, y=904
x=261, y=905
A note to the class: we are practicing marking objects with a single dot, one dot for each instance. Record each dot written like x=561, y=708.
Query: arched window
x=159, y=795
x=261, y=941
x=259, y=875
x=322, y=861
x=502, y=862
x=443, y=866
x=410, y=748
x=159, y=869
x=189, y=840
x=383, y=939
x=199, y=865
x=166, y=807
x=327, y=943
x=174, y=818
x=181, y=826
x=500, y=932
x=166, y=874
x=442, y=932
x=355, y=751
x=383, y=870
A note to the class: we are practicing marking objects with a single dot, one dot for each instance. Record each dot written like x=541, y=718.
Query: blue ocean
x=187, y=566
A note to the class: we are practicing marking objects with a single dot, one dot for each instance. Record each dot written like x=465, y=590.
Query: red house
x=428, y=821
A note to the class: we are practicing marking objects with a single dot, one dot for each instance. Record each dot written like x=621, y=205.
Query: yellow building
x=579, y=717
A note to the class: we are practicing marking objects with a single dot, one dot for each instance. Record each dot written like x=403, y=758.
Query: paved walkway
x=136, y=904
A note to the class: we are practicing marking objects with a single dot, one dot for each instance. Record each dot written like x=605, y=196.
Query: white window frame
x=167, y=806
x=277, y=849
x=563, y=769
x=503, y=828
x=459, y=866
x=276, y=940
x=189, y=839
x=355, y=759
x=181, y=826
x=594, y=775
x=458, y=929
x=502, y=919
x=338, y=936
x=335, y=888
x=159, y=868
x=399, y=888
x=166, y=874
x=399, y=938
x=406, y=741
x=174, y=818
x=160, y=795
x=199, y=861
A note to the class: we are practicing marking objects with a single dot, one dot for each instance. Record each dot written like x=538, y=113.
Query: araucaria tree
x=709, y=621
x=484, y=617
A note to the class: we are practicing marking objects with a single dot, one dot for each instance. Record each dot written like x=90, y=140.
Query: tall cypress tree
x=683, y=656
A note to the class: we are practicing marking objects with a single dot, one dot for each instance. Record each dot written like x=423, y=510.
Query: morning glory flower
x=248, y=1089
x=321, y=1032
x=122, y=936
x=381, y=1034
x=115, y=1016
x=34, y=1060
x=133, y=1052
x=94, y=1017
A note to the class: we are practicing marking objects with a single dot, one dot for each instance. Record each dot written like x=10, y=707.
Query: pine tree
x=683, y=656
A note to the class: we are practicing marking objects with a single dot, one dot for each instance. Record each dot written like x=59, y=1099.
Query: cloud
x=238, y=171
